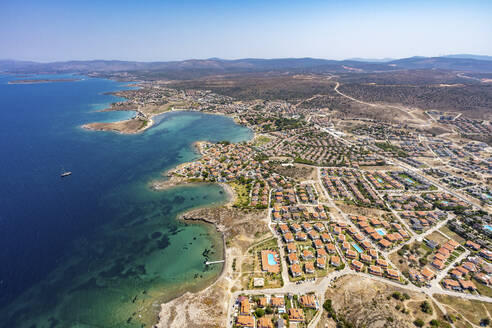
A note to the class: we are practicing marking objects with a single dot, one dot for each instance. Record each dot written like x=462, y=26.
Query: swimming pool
x=380, y=180
x=409, y=180
x=271, y=259
x=488, y=227
x=357, y=248
x=381, y=231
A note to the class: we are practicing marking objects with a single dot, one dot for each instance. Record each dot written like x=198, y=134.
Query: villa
x=296, y=315
x=292, y=258
x=309, y=267
x=308, y=301
x=295, y=270
x=291, y=248
x=264, y=323
x=270, y=261
x=245, y=307
x=321, y=262
x=335, y=261
x=247, y=321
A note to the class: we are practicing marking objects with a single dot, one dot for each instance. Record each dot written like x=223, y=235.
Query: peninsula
x=35, y=81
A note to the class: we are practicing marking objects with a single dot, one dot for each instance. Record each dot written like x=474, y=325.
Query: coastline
x=216, y=212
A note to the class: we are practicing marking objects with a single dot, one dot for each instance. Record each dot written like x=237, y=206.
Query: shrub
x=419, y=323
x=426, y=307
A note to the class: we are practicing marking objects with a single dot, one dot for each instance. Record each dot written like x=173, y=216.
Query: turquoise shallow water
x=100, y=248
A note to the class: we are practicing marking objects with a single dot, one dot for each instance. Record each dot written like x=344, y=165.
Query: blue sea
x=98, y=248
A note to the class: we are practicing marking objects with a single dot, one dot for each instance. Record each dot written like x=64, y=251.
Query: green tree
x=419, y=323
x=259, y=312
x=426, y=307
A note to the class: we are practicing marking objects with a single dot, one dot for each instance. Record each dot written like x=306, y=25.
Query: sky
x=150, y=30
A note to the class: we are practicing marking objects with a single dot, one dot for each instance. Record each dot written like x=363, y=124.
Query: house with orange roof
x=366, y=244
x=448, y=247
x=357, y=265
x=486, y=254
x=283, y=228
x=365, y=258
x=277, y=302
x=319, y=227
x=467, y=284
x=264, y=322
x=309, y=267
x=472, y=245
x=375, y=236
x=359, y=237
x=321, y=253
x=291, y=248
x=307, y=255
x=451, y=284
x=456, y=274
x=463, y=270
x=288, y=237
x=292, y=258
x=375, y=222
x=325, y=237
x=245, y=307
x=482, y=278
x=375, y=270
x=247, y=321
x=373, y=253
x=438, y=264
x=301, y=236
x=262, y=302
x=295, y=270
x=330, y=248
x=392, y=274
x=427, y=274
x=321, y=262
x=313, y=235
x=382, y=263
x=335, y=261
x=391, y=237
x=295, y=227
x=296, y=315
x=440, y=257
x=384, y=243
x=453, y=243
x=470, y=266
x=318, y=244
x=308, y=301
x=351, y=254
x=307, y=226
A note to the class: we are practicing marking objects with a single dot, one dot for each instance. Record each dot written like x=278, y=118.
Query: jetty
x=214, y=262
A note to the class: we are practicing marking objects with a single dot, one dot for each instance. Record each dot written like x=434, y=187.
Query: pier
x=214, y=262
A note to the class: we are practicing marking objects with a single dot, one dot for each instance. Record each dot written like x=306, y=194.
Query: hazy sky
x=149, y=30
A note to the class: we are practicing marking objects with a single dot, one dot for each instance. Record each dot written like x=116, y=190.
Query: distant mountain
x=446, y=63
x=372, y=60
x=193, y=68
x=467, y=56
